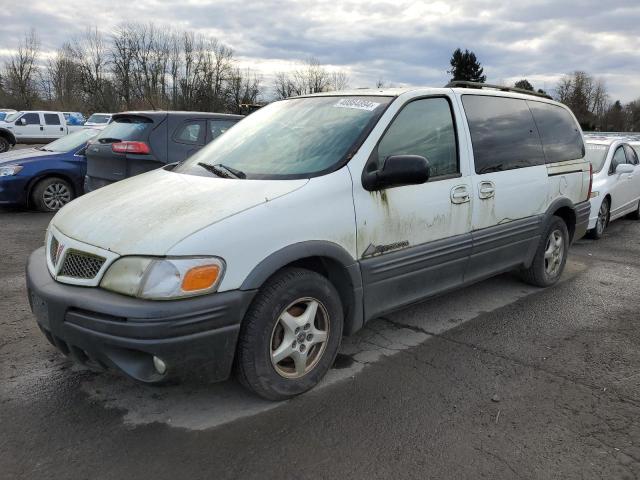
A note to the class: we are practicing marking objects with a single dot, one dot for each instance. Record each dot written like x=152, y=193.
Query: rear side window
x=423, y=127
x=126, y=128
x=503, y=133
x=51, y=119
x=31, y=118
x=218, y=127
x=191, y=132
x=561, y=137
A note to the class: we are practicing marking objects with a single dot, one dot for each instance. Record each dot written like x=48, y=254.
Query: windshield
x=125, y=128
x=596, y=153
x=97, y=118
x=72, y=141
x=12, y=116
x=294, y=138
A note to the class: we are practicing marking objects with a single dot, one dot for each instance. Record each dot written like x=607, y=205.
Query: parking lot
x=499, y=380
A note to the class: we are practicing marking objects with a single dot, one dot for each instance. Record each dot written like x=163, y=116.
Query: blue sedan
x=47, y=177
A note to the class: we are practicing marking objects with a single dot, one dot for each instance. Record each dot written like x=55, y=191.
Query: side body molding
x=343, y=270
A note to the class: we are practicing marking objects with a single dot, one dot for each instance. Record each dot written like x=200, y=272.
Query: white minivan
x=305, y=220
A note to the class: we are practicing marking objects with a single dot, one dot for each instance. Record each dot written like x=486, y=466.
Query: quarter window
x=189, y=132
x=30, y=119
x=424, y=127
x=503, y=133
x=51, y=119
x=561, y=136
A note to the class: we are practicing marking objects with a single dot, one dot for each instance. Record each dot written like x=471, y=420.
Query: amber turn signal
x=200, y=278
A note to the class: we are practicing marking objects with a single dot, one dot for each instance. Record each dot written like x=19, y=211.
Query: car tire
x=279, y=355
x=604, y=214
x=51, y=194
x=636, y=214
x=5, y=145
x=551, y=255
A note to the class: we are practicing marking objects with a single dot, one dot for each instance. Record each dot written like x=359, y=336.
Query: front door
x=29, y=128
x=414, y=241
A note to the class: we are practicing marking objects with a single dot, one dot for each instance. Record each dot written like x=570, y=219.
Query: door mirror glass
x=22, y=121
x=399, y=170
x=624, y=168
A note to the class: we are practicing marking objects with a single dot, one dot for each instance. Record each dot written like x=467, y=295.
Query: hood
x=24, y=155
x=149, y=213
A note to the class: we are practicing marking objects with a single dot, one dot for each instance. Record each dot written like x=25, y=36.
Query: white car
x=98, y=120
x=305, y=220
x=616, y=181
x=33, y=126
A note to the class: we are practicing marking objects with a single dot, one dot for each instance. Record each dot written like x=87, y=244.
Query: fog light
x=159, y=365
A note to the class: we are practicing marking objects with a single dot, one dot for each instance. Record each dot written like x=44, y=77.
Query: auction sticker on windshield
x=357, y=103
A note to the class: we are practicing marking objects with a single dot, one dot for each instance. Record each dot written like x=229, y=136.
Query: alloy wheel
x=554, y=253
x=299, y=337
x=56, y=196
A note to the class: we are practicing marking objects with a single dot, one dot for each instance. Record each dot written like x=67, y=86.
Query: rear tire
x=5, y=145
x=51, y=194
x=551, y=255
x=290, y=335
x=604, y=214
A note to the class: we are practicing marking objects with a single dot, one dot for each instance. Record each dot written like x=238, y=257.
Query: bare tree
x=20, y=72
x=310, y=77
x=338, y=80
x=586, y=96
x=244, y=88
x=61, y=80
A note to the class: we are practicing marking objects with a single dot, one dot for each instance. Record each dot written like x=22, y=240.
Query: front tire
x=551, y=255
x=602, y=222
x=5, y=145
x=290, y=335
x=51, y=194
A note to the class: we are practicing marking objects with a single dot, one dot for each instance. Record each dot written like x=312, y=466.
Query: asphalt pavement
x=498, y=380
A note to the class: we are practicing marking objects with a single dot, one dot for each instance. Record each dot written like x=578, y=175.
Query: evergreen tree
x=465, y=66
x=524, y=84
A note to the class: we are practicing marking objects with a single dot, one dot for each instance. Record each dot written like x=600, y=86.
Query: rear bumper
x=196, y=338
x=93, y=183
x=583, y=210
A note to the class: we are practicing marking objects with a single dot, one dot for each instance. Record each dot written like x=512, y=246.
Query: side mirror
x=398, y=170
x=22, y=122
x=625, y=168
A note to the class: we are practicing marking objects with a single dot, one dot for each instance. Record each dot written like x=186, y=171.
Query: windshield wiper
x=223, y=171
x=232, y=171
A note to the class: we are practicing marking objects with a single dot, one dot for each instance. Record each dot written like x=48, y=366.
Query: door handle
x=61, y=129
x=486, y=190
x=460, y=194
x=41, y=127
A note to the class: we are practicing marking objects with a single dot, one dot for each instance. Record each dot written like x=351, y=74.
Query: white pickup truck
x=33, y=126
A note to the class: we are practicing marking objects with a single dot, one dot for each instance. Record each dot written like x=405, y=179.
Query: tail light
x=140, y=148
x=590, y=180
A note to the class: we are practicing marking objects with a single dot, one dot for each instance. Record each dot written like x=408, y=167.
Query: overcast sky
x=402, y=42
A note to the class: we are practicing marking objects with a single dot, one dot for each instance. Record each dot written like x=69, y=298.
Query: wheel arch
x=8, y=135
x=326, y=258
x=565, y=209
x=43, y=176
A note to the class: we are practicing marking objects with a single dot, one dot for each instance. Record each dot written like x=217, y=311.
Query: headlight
x=10, y=170
x=164, y=278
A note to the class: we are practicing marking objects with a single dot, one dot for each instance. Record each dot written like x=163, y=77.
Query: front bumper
x=13, y=190
x=195, y=337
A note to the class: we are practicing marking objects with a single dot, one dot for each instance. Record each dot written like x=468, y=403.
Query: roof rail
x=467, y=84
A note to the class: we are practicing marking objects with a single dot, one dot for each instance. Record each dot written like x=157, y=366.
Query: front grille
x=81, y=265
x=53, y=250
